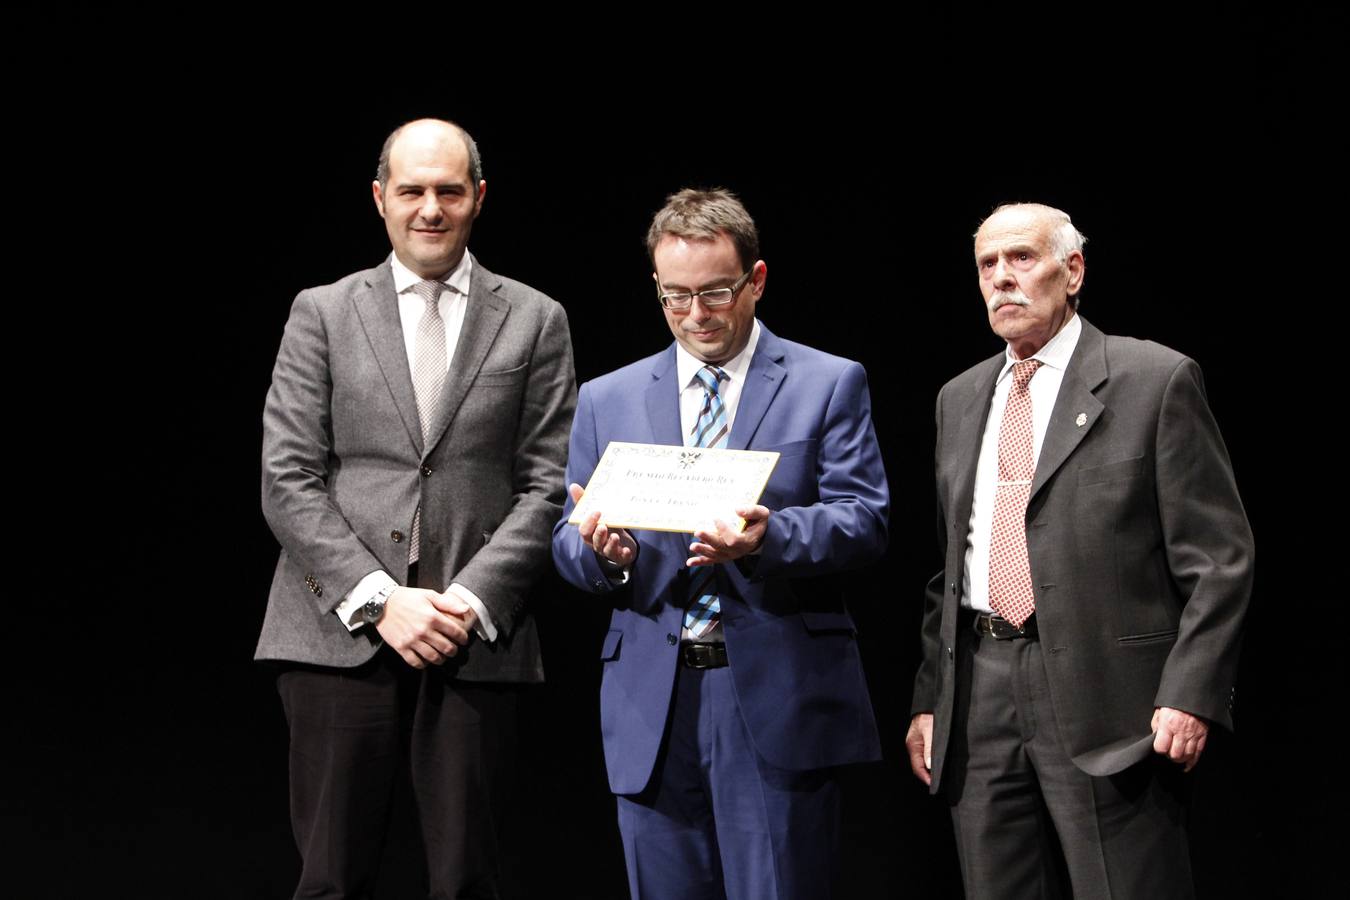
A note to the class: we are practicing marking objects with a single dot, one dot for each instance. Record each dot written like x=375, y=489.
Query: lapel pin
x=1081, y=420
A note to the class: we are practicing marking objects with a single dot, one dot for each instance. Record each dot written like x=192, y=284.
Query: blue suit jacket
x=790, y=640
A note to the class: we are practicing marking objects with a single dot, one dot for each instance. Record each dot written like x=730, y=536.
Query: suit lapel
x=377, y=308
x=1077, y=409
x=663, y=401
x=762, y=381
x=969, y=439
x=483, y=318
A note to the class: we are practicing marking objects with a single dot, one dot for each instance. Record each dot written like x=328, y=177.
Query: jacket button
x=672, y=640
x=949, y=652
x=953, y=587
x=426, y=470
x=396, y=536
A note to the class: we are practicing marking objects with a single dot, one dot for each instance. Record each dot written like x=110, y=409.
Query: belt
x=703, y=656
x=1000, y=629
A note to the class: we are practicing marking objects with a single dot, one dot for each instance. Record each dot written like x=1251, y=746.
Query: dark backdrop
x=1191, y=166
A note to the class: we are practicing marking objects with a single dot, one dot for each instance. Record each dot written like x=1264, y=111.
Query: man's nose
x=431, y=207
x=1003, y=275
x=697, y=311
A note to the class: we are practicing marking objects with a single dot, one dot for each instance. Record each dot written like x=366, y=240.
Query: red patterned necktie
x=1010, y=592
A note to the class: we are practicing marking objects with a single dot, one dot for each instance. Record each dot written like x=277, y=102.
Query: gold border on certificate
x=664, y=487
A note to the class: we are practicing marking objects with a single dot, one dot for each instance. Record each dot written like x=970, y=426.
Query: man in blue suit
x=732, y=686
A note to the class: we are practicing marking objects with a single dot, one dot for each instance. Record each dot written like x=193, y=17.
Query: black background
x=1191, y=156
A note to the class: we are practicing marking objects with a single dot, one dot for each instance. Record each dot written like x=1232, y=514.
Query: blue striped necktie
x=710, y=430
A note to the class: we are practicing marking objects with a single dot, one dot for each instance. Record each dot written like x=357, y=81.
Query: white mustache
x=1002, y=298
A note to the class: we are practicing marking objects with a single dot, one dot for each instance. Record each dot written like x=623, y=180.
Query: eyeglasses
x=712, y=297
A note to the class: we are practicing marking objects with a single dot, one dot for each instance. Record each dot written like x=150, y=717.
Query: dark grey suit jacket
x=345, y=467
x=1141, y=555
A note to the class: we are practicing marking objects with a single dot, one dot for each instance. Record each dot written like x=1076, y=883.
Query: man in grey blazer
x=1082, y=637
x=414, y=439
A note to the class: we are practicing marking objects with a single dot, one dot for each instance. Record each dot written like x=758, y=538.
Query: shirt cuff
x=616, y=573
x=349, y=610
x=483, y=627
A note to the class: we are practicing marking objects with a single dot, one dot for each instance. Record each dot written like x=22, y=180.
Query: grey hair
x=475, y=159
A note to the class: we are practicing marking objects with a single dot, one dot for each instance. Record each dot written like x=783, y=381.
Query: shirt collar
x=457, y=278
x=1056, y=351
x=687, y=365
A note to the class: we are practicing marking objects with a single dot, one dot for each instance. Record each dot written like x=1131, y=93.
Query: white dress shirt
x=687, y=367
x=452, y=303
x=1044, y=388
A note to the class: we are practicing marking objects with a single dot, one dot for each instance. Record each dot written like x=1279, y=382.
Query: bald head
x=1055, y=224
x=424, y=129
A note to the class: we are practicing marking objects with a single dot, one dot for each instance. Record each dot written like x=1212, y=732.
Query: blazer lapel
x=483, y=318
x=663, y=401
x=969, y=439
x=762, y=382
x=1077, y=409
x=377, y=308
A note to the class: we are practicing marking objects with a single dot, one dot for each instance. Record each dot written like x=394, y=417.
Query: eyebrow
x=1011, y=248
x=439, y=186
x=709, y=286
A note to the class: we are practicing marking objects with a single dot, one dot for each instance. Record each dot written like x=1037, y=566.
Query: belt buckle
x=699, y=655
x=695, y=657
x=1000, y=629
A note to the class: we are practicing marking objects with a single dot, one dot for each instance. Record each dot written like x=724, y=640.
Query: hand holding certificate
x=617, y=546
x=706, y=492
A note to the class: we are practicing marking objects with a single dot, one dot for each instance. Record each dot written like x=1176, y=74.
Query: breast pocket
x=1113, y=471
x=506, y=377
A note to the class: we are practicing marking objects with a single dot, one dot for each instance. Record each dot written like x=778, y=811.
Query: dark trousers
x=355, y=733
x=718, y=821
x=1025, y=816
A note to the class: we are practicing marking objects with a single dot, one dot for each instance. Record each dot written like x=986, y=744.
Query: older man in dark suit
x=413, y=449
x=1082, y=636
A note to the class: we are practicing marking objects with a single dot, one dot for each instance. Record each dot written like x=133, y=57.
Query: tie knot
x=709, y=376
x=429, y=291
x=1023, y=370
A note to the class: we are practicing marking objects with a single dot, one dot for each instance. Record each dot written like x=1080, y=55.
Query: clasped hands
x=718, y=544
x=426, y=627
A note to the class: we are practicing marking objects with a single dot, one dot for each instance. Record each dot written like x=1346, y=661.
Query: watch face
x=373, y=610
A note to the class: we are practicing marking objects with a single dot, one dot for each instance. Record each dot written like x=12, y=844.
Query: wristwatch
x=373, y=610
